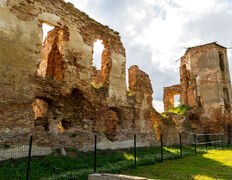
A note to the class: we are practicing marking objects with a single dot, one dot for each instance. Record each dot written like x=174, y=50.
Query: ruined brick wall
x=168, y=96
x=51, y=60
x=205, y=85
x=47, y=88
x=140, y=87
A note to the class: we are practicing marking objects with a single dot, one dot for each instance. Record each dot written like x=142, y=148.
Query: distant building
x=204, y=85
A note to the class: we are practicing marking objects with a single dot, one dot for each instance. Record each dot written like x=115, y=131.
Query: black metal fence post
x=206, y=142
x=222, y=140
x=195, y=144
x=135, y=150
x=161, y=147
x=29, y=159
x=95, y=153
x=214, y=139
x=180, y=145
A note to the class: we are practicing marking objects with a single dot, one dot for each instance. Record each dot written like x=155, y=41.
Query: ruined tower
x=204, y=85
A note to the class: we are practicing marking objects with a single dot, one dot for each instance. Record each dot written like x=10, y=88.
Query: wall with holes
x=206, y=87
x=49, y=86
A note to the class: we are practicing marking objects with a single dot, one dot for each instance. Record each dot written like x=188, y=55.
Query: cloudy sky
x=155, y=33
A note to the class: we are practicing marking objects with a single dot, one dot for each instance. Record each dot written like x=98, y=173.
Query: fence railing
x=136, y=152
x=207, y=140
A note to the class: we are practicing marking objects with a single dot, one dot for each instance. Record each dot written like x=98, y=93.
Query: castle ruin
x=52, y=90
x=204, y=85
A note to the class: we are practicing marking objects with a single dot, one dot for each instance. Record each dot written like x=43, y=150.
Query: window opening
x=176, y=100
x=51, y=60
x=98, y=48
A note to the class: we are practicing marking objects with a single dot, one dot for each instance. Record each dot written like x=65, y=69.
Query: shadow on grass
x=215, y=165
x=80, y=164
x=56, y=164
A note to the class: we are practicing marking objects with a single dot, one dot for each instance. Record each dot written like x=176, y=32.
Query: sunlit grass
x=201, y=177
x=79, y=164
x=172, y=150
x=224, y=157
x=129, y=156
x=216, y=164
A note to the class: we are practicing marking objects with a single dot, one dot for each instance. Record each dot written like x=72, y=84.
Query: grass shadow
x=212, y=165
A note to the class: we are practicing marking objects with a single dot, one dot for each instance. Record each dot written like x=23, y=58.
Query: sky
x=156, y=33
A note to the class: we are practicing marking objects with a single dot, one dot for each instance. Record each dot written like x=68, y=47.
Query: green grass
x=181, y=109
x=79, y=164
x=216, y=164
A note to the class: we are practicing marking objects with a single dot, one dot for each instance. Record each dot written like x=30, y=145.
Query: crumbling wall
x=170, y=126
x=140, y=87
x=168, y=96
x=51, y=63
x=46, y=87
x=205, y=86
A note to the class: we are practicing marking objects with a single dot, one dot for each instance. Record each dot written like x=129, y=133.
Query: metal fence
x=26, y=160
x=209, y=140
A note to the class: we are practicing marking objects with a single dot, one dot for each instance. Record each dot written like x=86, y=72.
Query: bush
x=128, y=92
x=181, y=109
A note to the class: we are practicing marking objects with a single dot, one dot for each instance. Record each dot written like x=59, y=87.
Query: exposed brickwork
x=106, y=122
x=141, y=89
x=51, y=64
x=46, y=87
x=205, y=85
x=168, y=96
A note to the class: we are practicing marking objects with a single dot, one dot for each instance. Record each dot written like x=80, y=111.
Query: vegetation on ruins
x=128, y=92
x=181, y=109
x=96, y=85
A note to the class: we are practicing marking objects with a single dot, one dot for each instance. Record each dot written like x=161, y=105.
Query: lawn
x=77, y=165
x=216, y=164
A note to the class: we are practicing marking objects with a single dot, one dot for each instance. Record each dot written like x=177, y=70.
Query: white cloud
x=97, y=53
x=46, y=28
x=155, y=32
x=158, y=105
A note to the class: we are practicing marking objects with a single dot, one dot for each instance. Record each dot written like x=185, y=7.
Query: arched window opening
x=51, y=60
x=98, y=49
